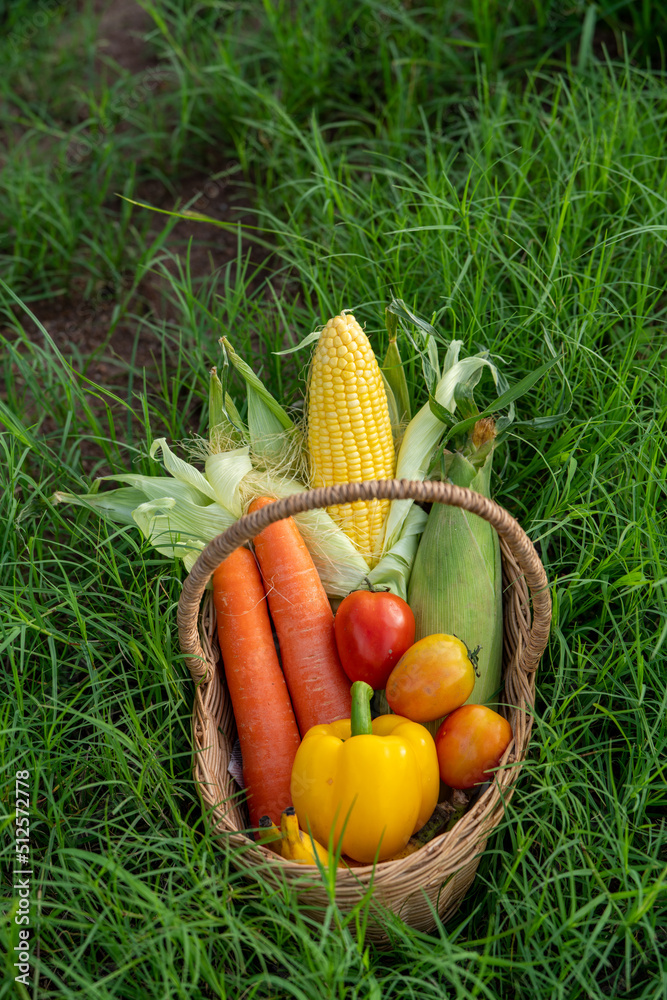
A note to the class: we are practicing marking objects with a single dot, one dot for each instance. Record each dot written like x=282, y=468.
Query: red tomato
x=373, y=629
x=470, y=742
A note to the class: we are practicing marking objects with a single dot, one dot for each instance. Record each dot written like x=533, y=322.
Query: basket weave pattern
x=441, y=872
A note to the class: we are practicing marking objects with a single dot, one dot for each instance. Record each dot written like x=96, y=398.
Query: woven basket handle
x=382, y=489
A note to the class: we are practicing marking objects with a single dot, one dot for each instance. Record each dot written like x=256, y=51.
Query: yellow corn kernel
x=349, y=431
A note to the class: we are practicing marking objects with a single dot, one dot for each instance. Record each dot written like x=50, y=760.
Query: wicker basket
x=435, y=878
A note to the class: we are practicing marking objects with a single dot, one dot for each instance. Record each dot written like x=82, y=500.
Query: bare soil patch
x=123, y=23
x=82, y=326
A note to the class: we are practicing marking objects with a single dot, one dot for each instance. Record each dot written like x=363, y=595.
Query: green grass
x=518, y=201
x=76, y=137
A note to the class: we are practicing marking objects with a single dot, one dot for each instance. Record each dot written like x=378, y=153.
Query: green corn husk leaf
x=269, y=425
x=267, y=434
x=224, y=422
x=154, y=487
x=393, y=568
x=507, y=397
x=116, y=505
x=311, y=338
x=393, y=374
x=180, y=528
x=251, y=379
x=182, y=471
x=425, y=343
x=452, y=355
x=456, y=582
x=225, y=472
x=217, y=421
x=425, y=431
x=392, y=406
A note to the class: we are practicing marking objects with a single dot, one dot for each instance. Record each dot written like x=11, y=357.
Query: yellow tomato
x=431, y=679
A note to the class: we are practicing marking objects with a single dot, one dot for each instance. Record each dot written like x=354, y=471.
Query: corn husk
x=426, y=430
x=456, y=582
x=393, y=374
x=393, y=570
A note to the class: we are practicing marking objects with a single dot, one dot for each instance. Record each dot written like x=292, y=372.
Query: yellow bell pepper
x=368, y=785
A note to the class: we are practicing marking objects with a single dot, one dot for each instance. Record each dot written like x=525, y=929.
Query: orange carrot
x=303, y=620
x=264, y=717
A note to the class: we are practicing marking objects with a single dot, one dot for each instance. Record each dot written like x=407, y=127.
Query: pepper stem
x=360, y=718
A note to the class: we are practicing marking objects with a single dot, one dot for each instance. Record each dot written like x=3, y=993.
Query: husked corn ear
x=349, y=431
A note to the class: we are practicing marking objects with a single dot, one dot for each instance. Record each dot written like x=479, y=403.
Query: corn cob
x=349, y=430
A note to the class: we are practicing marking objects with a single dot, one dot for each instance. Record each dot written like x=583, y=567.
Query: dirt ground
x=122, y=23
x=84, y=323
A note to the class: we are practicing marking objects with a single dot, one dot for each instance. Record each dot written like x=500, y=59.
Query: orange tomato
x=470, y=742
x=432, y=678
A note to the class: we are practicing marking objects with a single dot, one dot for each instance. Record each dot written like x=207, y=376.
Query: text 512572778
x=22, y=877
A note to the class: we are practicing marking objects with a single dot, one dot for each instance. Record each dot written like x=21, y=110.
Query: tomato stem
x=473, y=654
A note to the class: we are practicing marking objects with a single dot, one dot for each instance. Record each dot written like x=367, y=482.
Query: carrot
x=303, y=620
x=262, y=708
